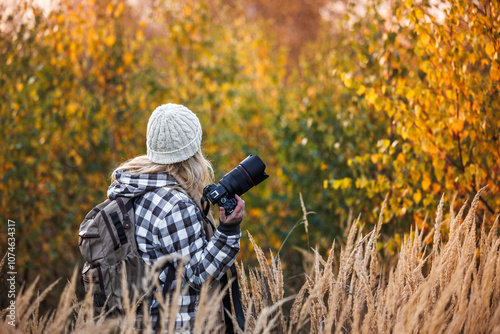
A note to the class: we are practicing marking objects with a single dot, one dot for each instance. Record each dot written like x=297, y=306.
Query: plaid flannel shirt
x=169, y=222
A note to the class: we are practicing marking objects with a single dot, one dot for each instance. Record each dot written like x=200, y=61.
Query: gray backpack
x=108, y=245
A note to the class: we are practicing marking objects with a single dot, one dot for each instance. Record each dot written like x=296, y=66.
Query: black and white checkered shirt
x=169, y=222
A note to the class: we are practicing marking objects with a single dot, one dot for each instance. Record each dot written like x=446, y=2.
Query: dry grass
x=459, y=292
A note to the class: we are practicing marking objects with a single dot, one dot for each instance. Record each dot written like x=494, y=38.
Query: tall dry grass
x=453, y=288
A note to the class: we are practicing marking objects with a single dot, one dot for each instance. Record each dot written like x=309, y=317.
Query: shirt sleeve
x=181, y=231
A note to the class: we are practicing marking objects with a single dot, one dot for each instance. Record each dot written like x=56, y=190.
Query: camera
x=249, y=173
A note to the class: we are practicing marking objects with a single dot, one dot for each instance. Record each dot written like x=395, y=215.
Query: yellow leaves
x=425, y=38
x=341, y=183
x=410, y=94
x=110, y=40
x=8, y=166
x=311, y=91
x=128, y=58
x=419, y=13
x=398, y=240
x=19, y=86
x=426, y=181
x=451, y=109
x=383, y=145
x=371, y=96
x=495, y=71
x=139, y=35
x=76, y=157
x=346, y=79
x=436, y=187
x=71, y=109
x=379, y=104
x=255, y=213
x=30, y=160
x=109, y=9
x=457, y=125
x=360, y=90
x=417, y=196
x=280, y=174
x=95, y=137
x=449, y=94
x=101, y=79
x=348, y=82
x=390, y=109
x=119, y=9
x=490, y=49
x=404, y=133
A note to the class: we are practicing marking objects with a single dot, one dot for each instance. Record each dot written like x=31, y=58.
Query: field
x=451, y=289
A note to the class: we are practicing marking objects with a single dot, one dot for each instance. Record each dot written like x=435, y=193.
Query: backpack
x=108, y=245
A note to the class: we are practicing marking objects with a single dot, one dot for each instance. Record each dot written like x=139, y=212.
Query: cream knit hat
x=173, y=134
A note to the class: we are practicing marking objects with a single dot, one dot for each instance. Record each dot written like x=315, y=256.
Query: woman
x=167, y=185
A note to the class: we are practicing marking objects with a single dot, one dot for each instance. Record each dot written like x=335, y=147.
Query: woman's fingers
x=222, y=214
x=236, y=215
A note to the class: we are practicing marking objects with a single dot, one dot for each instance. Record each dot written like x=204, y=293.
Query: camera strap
x=236, y=298
x=205, y=205
x=233, y=293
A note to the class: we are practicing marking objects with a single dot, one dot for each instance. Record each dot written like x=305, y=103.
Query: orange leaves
x=119, y=10
x=456, y=125
x=426, y=181
x=495, y=72
x=128, y=59
x=490, y=49
x=110, y=40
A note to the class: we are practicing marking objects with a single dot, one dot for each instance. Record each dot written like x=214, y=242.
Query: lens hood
x=255, y=168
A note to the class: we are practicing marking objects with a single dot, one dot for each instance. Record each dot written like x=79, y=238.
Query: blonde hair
x=196, y=172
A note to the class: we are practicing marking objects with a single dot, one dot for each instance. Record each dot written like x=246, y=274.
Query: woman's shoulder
x=163, y=199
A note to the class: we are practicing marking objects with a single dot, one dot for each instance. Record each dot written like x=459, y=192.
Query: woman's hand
x=236, y=215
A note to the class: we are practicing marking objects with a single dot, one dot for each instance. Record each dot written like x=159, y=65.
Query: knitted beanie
x=173, y=134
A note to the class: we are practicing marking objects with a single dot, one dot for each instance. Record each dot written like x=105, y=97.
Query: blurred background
x=346, y=102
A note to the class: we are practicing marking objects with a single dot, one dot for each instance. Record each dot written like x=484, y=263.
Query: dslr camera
x=249, y=173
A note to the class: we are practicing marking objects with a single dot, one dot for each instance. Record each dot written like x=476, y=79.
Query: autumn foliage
x=398, y=98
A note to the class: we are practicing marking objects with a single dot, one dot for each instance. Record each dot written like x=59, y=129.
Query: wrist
x=229, y=228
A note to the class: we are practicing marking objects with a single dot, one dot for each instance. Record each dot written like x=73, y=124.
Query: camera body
x=218, y=195
x=249, y=173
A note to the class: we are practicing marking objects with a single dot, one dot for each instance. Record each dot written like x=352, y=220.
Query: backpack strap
x=110, y=230
x=126, y=218
x=119, y=228
x=166, y=287
x=100, y=297
x=169, y=279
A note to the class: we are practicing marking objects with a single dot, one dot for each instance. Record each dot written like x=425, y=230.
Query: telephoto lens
x=249, y=173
